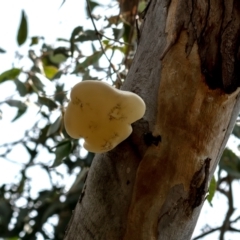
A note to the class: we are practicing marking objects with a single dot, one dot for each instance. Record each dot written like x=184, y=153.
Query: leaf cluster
x=44, y=84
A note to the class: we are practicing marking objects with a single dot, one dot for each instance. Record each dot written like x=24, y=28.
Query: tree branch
x=226, y=224
x=206, y=233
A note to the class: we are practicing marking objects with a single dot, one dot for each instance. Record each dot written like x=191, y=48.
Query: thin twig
x=99, y=39
x=206, y=233
x=226, y=224
x=234, y=229
x=236, y=219
x=111, y=39
x=12, y=161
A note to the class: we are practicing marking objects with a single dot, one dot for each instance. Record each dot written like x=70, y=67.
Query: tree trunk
x=186, y=69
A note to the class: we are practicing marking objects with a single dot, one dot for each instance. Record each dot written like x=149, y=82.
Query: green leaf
x=61, y=50
x=55, y=126
x=230, y=162
x=2, y=50
x=57, y=75
x=92, y=5
x=117, y=33
x=62, y=40
x=127, y=32
x=59, y=95
x=45, y=195
x=16, y=103
x=10, y=74
x=113, y=20
x=76, y=31
x=236, y=131
x=19, y=114
x=5, y=213
x=23, y=214
x=63, y=149
x=43, y=133
x=58, y=58
x=87, y=76
x=22, y=107
x=141, y=6
x=23, y=30
x=89, y=158
x=21, y=184
x=21, y=87
x=88, y=35
x=34, y=41
x=47, y=102
x=212, y=190
x=50, y=71
x=37, y=83
x=32, y=152
x=88, y=61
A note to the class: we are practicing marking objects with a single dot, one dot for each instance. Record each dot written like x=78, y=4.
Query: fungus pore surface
x=101, y=114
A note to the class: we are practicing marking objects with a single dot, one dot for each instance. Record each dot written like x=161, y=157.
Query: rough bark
x=186, y=70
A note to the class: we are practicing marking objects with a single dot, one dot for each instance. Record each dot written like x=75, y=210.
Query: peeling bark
x=186, y=70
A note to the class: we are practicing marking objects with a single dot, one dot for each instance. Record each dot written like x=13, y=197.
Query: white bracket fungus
x=101, y=114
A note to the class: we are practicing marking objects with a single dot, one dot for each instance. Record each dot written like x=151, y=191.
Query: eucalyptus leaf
x=22, y=107
x=117, y=33
x=63, y=149
x=19, y=114
x=88, y=61
x=2, y=50
x=54, y=126
x=5, y=213
x=10, y=74
x=23, y=30
x=57, y=75
x=47, y=102
x=21, y=88
x=92, y=5
x=236, y=130
x=60, y=95
x=88, y=35
x=58, y=58
x=127, y=32
x=212, y=190
x=37, y=83
x=230, y=162
x=50, y=71
x=16, y=103
x=76, y=31
x=34, y=41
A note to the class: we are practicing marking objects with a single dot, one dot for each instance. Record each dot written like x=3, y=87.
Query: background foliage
x=43, y=83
